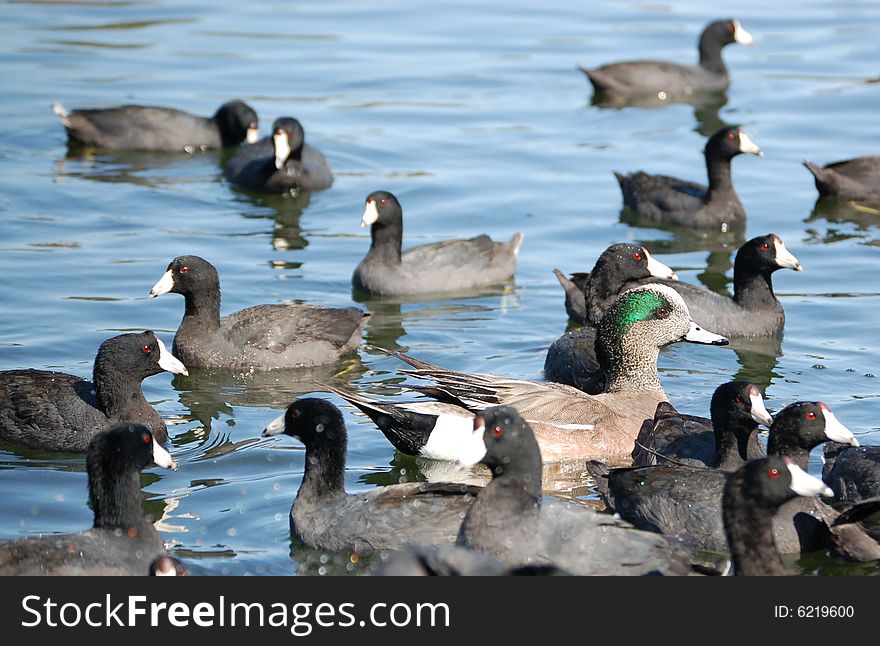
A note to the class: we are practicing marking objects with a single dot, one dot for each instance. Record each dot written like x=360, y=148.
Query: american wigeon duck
x=685, y=502
x=669, y=200
x=753, y=311
x=620, y=82
x=324, y=516
x=56, y=411
x=853, y=179
x=448, y=266
x=280, y=163
x=567, y=422
x=122, y=540
x=507, y=520
x=151, y=128
x=264, y=337
x=726, y=441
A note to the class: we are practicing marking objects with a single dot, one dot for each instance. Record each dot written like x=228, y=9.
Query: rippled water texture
x=475, y=115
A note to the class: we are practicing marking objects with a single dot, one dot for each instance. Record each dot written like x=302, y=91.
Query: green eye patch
x=637, y=306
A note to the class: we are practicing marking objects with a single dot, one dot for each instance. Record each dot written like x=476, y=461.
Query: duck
x=725, y=442
x=661, y=199
x=672, y=82
x=57, y=411
x=158, y=129
x=852, y=179
x=754, y=310
x=588, y=294
x=324, y=516
x=259, y=338
x=508, y=522
x=122, y=540
x=567, y=422
x=685, y=502
x=752, y=497
x=280, y=163
x=455, y=265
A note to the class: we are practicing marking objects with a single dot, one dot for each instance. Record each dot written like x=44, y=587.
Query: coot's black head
x=510, y=444
x=725, y=32
x=124, y=448
x=187, y=275
x=237, y=122
x=727, y=143
x=382, y=210
x=805, y=425
x=314, y=422
x=764, y=255
x=288, y=138
x=768, y=482
x=627, y=261
x=739, y=402
x=139, y=355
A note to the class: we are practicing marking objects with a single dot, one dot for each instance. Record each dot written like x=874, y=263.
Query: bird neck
x=115, y=497
x=387, y=242
x=202, y=310
x=324, y=476
x=735, y=447
x=718, y=171
x=750, y=538
x=710, y=55
x=753, y=289
x=118, y=395
x=629, y=364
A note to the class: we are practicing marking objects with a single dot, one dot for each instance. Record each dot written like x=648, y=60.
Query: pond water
x=476, y=117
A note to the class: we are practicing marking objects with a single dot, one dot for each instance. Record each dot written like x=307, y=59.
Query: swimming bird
x=263, y=337
x=622, y=82
x=751, y=499
x=280, y=163
x=56, y=411
x=157, y=129
x=567, y=422
x=455, y=265
x=852, y=179
x=508, y=522
x=122, y=541
x=685, y=502
x=324, y=516
x=661, y=199
x=726, y=441
x=588, y=294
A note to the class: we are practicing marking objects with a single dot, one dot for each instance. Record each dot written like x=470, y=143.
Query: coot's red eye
x=295, y=413
x=637, y=256
x=383, y=201
x=184, y=269
x=497, y=431
x=739, y=400
x=146, y=349
x=773, y=473
x=811, y=415
x=730, y=136
x=764, y=246
x=146, y=438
